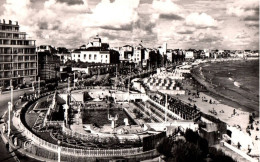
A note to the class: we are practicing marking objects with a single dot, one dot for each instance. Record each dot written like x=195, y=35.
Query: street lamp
x=74, y=81
x=39, y=86
x=166, y=107
x=68, y=84
x=12, y=94
x=59, y=150
x=9, y=118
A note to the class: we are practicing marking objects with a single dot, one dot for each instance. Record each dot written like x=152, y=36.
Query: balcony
x=17, y=44
x=11, y=31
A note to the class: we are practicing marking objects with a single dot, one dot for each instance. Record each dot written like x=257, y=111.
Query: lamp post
x=9, y=118
x=166, y=107
x=12, y=92
x=129, y=82
x=59, y=151
x=39, y=86
x=74, y=84
x=68, y=84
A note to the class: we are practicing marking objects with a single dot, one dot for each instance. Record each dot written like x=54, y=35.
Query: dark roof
x=127, y=45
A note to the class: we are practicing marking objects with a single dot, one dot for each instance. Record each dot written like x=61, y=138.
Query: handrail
x=75, y=151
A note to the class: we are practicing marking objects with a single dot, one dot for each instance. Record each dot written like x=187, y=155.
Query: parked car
x=20, y=86
x=8, y=88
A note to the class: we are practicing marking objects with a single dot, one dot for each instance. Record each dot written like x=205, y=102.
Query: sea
x=236, y=81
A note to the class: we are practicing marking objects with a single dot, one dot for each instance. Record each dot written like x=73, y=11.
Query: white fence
x=78, y=152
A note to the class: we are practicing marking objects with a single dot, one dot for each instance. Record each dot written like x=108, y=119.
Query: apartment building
x=48, y=63
x=18, y=59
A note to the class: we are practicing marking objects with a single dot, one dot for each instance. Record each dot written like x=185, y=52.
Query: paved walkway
x=16, y=130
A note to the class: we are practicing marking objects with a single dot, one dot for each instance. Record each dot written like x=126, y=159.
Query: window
x=78, y=55
x=106, y=56
x=95, y=57
x=20, y=58
x=84, y=56
x=26, y=58
x=89, y=57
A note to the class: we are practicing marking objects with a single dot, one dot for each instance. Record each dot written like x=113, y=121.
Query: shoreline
x=211, y=91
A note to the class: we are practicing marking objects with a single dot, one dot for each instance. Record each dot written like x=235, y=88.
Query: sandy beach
x=212, y=102
x=220, y=83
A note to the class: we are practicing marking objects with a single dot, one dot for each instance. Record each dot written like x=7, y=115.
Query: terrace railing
x=78, y=152
x=50, y=109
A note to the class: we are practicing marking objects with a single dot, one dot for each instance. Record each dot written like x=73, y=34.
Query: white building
x=207, y=52
x=169, y=54
x=163, y=49
x=189, y=55
x=95, y=52
x=138, y=54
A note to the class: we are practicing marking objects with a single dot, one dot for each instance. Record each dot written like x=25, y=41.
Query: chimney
x=4, y=21
x=10, y=22
x=16, y=22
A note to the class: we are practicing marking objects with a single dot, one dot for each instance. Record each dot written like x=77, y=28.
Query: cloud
x=146, y=1
x=165, y=6
x=170, y=17
x=52, y=22
x=166, y=9
x=127, y=27
x=246, y=10
x=145, y=24
x=71, y=23
x=209, y=37
x=202, y=20
x=242, y=35
x=43, y=25
x=252, y=24
x=185, y=31
x=117, y=14
x=71, y=2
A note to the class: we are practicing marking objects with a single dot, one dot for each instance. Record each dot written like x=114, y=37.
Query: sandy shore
x=221, y=108
x=217, y=92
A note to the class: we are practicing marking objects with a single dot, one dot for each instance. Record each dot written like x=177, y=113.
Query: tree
x=194, y=149
x=185, y=151
x=164, y=147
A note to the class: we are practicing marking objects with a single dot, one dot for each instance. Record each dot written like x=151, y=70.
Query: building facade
x=96, y=52
x=48, y=63
x=138, y=55
x=18, y=59
x=126, y=52
x=64, y=55
x=190, y=54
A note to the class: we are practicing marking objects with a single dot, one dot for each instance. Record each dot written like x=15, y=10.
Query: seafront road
x=5, y=97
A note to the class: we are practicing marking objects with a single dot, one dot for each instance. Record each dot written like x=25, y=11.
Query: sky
x=182, y=24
